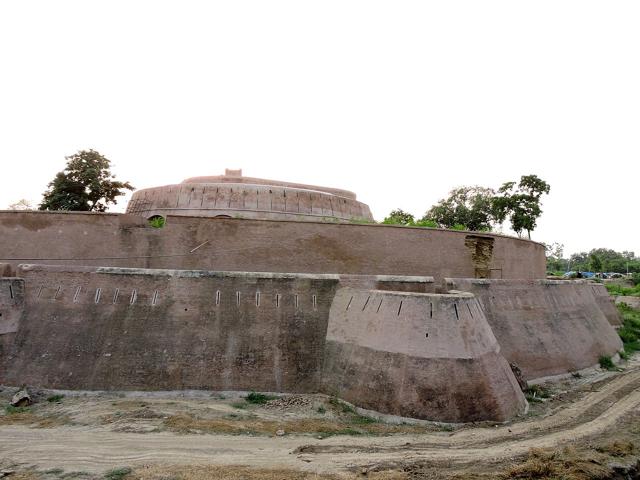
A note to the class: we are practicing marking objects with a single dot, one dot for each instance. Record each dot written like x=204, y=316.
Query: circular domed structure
x=232, y=195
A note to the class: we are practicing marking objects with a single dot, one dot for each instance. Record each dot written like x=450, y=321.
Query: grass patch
x=117, y=473
x=565, y=465
x=617, y=289
x=11, y=410
x=340, y=406
x=209, y=472
x=70, y=475
x=54, y=471
x=351, y=425
x=55, y=398
x=536, y=393
x=617, y=448
x=606, y=362
x=257, y=398
x=630, y=330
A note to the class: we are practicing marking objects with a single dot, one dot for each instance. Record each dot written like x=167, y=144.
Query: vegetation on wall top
x=483, y=209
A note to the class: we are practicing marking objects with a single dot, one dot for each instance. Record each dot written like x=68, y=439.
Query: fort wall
x=11, y=304
x=123, y=329
x=546, y=327
x=418, y=355
x=240, y=200
x=263, y=245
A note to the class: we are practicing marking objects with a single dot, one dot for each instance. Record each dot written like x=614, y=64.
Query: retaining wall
x=546, y=327
x=11, y=304
x=418, y=355
x=262, y=245
x=114, y=328
x=168, y=330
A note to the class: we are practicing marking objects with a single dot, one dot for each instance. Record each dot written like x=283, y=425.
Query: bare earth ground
x=585, y=426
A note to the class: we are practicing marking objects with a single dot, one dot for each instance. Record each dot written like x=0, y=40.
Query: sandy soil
x=95, y=433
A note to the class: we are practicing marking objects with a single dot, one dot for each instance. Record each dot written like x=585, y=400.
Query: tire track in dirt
x=96, y=449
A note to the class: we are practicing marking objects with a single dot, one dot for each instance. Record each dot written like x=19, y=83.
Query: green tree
x=520, y=203
x=467, y=208
x=554, y=253
x=399, y=217
x=595, y=262
x=86, y=184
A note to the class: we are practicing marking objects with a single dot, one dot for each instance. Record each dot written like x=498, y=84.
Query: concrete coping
x=215, y=274
x=173, y=273
x=502, y=281
x=391, y=278
x=452, y=294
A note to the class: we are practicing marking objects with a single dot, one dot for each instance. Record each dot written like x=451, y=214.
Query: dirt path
x=96, y=448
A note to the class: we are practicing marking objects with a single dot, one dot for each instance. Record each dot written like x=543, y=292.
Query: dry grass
x=185, y=423
x=208, y=472
x=38, y=421
x=617, y=448
x=566, y=464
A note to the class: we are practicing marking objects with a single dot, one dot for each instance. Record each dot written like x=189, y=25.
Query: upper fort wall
x=260, y=245
x=242, y=197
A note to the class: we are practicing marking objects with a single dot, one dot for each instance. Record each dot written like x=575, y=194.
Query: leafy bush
x=617, y=289
x=426, y=223
x=459, y=226
x=630, y=330
x=258, y=398
x=157, y=221
x=117, y=473
x=606, y=362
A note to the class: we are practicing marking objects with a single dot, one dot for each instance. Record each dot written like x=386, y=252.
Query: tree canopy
x=482, y=209
x=466, y=207
x=520, y=203
x=399, y=217
x=86, y=184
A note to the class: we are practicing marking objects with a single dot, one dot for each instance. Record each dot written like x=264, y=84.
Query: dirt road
x=96, y=448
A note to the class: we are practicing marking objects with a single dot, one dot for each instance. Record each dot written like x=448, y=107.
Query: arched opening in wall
x=222, y=216
x=157, y=221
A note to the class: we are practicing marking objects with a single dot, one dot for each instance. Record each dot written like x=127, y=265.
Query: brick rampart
x=546, y=327
x=262, y=245
x=418, y=355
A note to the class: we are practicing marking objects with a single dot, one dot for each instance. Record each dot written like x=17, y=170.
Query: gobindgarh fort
x=255, y=284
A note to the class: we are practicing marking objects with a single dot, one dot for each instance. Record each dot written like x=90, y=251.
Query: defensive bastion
x=261, y=285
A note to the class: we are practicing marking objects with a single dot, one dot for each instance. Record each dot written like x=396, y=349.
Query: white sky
x=397, y=101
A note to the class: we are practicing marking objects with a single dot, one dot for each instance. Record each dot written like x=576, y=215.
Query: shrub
x=117, y=473
x=55, y=398
x=157, y=221
x=10, y=409
x=258, y=398
x=606, y=362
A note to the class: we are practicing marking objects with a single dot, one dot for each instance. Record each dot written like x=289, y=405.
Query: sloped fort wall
x=546, y=327
x=112, y=328
x=408, y=353
x=262, y=245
